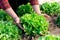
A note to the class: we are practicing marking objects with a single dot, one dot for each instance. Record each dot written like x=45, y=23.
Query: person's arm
x=12, y=14
x=35, y=6
x=4, y=4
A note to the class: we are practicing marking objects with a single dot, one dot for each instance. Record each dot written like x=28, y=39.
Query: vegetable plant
x=34, y=24
x=57, y=21
x=51, y=8
x=4, y=16
x=49, y=37
x=23, y=9
x=9, y=31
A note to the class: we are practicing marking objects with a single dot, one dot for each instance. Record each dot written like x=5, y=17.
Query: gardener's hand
x=17, y=20
x=47, y=17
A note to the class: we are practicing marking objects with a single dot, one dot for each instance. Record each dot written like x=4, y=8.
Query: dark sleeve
x=34, y=2
x=4, y=4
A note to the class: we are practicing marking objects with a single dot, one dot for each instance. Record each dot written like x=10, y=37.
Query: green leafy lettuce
x=49, y=37
x=9, y=31
x=34, y=24
x=23, y=9
x=50, y=8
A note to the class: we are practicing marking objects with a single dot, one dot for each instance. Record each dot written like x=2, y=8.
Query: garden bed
x=34, y=25
x=53, y=28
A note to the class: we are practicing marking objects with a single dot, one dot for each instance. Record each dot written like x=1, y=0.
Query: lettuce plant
x=9, y=31
x=23, y=9
x=49, y=37
x=4, y=16
x=51, y=8
x=57, y=21
x=34, y=24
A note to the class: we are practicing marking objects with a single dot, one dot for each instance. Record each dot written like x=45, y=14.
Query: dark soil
x=53, y=28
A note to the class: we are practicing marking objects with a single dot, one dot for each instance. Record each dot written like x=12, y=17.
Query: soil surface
x=53, y=28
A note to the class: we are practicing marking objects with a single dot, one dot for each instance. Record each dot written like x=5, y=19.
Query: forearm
x=35, y=5
x=11, y=13
x=6, y=6
x=36, y=9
